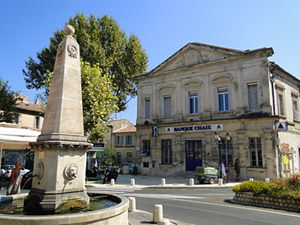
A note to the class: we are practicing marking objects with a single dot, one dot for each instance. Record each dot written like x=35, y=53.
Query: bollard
x=132, y=205
x=132, y=182
x=157, y=213
x=250, y=179
x=163, y=181
x=220, y=181
x=164, y=222
x=192, y=181
x=112, y=182
x=267, y=180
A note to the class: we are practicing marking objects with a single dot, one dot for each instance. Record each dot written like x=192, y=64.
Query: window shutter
x=167, y=106
x=252, y=96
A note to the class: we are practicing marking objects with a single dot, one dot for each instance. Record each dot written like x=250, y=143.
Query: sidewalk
x=124, y=182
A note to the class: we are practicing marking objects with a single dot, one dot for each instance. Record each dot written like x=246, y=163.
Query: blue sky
x=162, y=26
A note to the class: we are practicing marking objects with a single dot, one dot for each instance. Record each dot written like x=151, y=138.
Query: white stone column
x=157, y=213
x=132, y=182
x=163, y=181
x=132, y=204
x=192, y=182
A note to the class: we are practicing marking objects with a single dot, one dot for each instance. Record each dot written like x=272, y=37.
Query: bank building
x=205, y=104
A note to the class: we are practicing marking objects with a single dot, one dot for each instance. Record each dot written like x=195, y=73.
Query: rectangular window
x=280, y=105
x=256, y=152
x=146, y=147
x=128, y=139
x=129, y=157
x=166, y=151
x=226, y=150
x=193, y=103
x=166, y=106
x=223, y=99
x=119, y=155
x=119, y=140
x=17, y=119
x=147, y=108
x=37, y=122
x=296, y=113
x=252, y=96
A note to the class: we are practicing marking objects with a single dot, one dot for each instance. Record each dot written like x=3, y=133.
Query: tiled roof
x=31, y=106
x=126, y=130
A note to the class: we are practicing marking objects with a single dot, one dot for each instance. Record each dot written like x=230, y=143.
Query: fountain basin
x=117, y=214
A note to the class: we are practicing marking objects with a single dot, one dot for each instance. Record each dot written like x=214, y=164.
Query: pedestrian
x=237, y=169
x=14, y=186
x=224, y=177
x=230, y=171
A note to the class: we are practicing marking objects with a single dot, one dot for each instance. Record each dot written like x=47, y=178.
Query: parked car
x=7, y=169
x=24, y=171
x=206, y=174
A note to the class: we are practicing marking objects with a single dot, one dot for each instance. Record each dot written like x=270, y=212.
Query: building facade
x=15, y=138
x=207, y=104
x=121, y=140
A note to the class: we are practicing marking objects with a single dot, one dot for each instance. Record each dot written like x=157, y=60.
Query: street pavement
x=125, y=181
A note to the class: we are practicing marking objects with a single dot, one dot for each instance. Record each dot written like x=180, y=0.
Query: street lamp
x=218, y=139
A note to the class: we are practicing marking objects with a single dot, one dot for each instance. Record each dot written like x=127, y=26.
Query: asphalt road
x=204, y=206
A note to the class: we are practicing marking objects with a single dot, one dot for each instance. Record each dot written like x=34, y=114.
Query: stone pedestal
x=60, y=150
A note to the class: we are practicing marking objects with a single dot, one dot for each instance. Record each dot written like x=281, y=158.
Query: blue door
x=193, y=154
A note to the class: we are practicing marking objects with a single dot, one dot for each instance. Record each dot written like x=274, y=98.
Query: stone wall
x=248, y=198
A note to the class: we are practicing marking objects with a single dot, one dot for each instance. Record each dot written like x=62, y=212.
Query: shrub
x=289, y=188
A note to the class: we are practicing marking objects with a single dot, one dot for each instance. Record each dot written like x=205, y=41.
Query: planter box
x=248, y=198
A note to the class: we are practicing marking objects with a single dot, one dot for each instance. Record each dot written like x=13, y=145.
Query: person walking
x=230, y=171
x=224, y=177
x=237, y=169
x=14, y=184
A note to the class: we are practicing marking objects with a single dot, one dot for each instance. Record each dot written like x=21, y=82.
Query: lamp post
x=218, y=140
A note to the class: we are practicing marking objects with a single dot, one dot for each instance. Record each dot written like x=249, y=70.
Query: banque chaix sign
x=195, y=128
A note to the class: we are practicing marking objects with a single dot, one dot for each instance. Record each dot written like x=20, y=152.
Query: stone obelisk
x=60, y=150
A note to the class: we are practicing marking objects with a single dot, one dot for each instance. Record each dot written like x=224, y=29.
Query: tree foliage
x=102, y=43
x=8, y=103
x=98, y=100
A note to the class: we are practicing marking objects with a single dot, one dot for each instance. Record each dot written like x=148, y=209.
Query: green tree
x=101, y=42
x=98, y=100
x=8, y=103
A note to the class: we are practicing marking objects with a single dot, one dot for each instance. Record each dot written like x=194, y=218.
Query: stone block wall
x=247, y=198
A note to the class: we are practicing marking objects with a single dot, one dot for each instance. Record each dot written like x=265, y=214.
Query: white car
x=6, y=171
x=24, y=171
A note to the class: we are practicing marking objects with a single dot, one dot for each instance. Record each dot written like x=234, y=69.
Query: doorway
x=193, y=153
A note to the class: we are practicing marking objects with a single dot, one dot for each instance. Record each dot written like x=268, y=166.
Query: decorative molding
x=223, y=78
x=73, y=52
x=39, y=170
x=167, y=88
x=71, y=171
x=192, y=83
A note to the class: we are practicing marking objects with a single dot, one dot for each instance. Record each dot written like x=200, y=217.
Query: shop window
x=147, y=108
x=252, y=96
x=166, y=106
x=146, y=164
x=193, y=103
x=166, y=151
x=226, y=150
x=128, y=139
x=146, y=147
x=129, y=157
x=223, y=99
x=119, y=141
x=256, y=152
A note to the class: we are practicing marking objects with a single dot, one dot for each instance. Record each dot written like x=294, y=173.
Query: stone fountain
x=60, y=153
